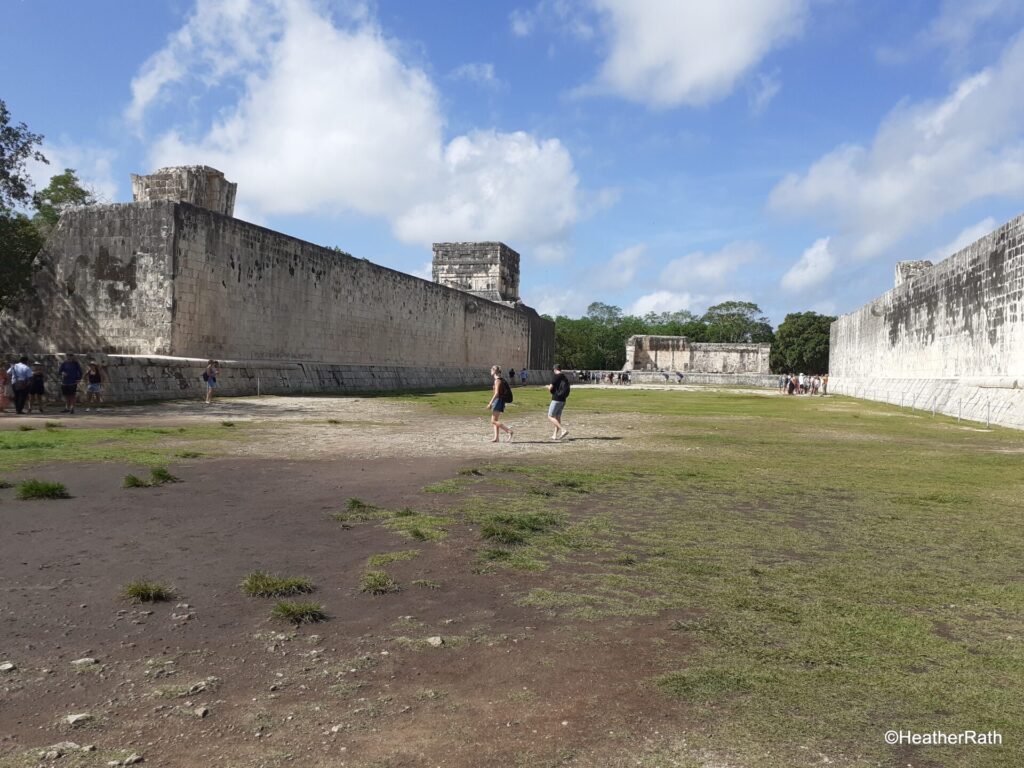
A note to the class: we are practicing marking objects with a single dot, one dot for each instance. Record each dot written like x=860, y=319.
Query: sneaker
x=564, y=433
x=508, y=439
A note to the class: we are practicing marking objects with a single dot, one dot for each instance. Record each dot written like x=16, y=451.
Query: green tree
x=737, y=322
x=801, y=343
x=605, y=314
x=63, y=192
x=20, y=241
x=18, y=145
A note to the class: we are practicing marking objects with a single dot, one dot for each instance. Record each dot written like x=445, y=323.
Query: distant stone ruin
x=679, y=354
x=487, y=270
x=196, y=184
x=948, y=337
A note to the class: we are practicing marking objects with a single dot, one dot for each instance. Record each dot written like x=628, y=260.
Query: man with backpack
x=559, y=389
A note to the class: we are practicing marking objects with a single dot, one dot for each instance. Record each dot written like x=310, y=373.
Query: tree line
x=597, y=341
x=27, y=218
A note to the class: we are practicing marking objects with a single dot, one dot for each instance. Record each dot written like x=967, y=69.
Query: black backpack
x=504, y=392
x=562, y=393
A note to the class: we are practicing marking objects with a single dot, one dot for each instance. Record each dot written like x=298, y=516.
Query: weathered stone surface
x=196, y=184
x=169, y=278
x=679, y=354
x=487, y=270
x=949, y=338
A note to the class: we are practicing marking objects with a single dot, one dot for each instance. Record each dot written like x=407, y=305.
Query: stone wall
x=166, y=278
x=141, y=378
x=677, y=353
x=951, y=336
x=196, y=184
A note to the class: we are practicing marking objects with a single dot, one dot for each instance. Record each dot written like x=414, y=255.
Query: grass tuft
x=6, y=484
x=160, y=475
x=260, y=584
x=298, y=613
x=25, y=428
x=426, y=583
x=147, y=592
x=386, y=558
x=134, y=481
x=189, y=454
x=378, y=583
x=227, y=423
x=41, y=489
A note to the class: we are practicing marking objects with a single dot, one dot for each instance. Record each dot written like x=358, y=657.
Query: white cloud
x=480, y=73
x=663, y=301
x=556, y=300
x=958, y=22
x=92, y=166
x=814, y=267
x=332, y=119
x=567, y=16
x=766, y=88
x=706, y=270
x=926, y=161
x=666, y=53
x=962, y=240
x=621, y=268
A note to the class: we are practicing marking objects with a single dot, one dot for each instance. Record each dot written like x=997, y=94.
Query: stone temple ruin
x=948, y=337
x=679, y=354
x=163, y=283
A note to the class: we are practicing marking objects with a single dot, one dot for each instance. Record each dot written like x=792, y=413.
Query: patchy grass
x=386, y=558
x=227, y=423
x=378, y=583
x=260, y=584
x=299, y=612
x=453, y=485
x=42, y=489
x=25, y=428
x=134, y=481
x=426, y=583
x=147, y=592
x=189, y=454
x=160, y=476
x=6, y=484
x=135, y=445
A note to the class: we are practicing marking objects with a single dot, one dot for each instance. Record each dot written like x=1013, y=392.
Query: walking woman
x=496, y=405
x=210, y=377
x=37, y=387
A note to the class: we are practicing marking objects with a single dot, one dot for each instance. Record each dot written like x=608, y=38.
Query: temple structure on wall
x=175, y=274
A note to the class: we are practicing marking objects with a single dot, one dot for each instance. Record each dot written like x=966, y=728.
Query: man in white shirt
x=21, y=376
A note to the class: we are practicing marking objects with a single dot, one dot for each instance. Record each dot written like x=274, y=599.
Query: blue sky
x=652, y=154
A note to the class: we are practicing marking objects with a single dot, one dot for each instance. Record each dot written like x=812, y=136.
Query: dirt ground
x=210, y=679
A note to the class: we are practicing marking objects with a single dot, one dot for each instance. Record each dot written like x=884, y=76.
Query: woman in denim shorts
x=496, y=405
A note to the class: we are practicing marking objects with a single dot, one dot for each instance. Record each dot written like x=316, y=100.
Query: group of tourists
x=799, y=384
x=23, y=384
x=604, y=377
x=501, y=395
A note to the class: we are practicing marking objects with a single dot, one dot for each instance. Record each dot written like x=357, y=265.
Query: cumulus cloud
x=766, y=87
x=621, y=268
x=927, y=160
x=813, y=268
x=92, y=165
x=330, y=119
x=962, y=240
x=664, y=301
x=557, y=300
x=708, y=270
x=666, y=53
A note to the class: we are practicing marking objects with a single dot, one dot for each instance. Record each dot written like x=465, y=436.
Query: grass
x=426, y=583
x=849, y=567
x=378, y=583
x=136, y=445
x=147, y=592
x=6, y=484
x=386, y=558
x=157, y=476
x=298, y=612
x=42, y=489
x=260, y=584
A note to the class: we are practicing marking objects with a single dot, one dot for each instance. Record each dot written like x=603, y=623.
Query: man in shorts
x=559, y=389
x=70, y=376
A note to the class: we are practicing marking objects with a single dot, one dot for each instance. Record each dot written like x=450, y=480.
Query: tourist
x=500, y=394
x=791, y=389
x=783, y=381
x=93, y=385
x=20, y=376
x=37, y=387
x=800, y=384
x=824, y=385
x=522, y=376
x=511, y=377
x=5, y=383
x=70, y=376
x=815, y=383
x=210, y=375
x=559, y=389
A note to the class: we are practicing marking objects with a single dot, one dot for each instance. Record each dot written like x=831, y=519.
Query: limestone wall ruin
x=677, y=353
x=950, y=337
x=164, y=277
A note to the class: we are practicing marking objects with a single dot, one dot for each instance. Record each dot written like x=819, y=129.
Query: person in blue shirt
x=70, y=377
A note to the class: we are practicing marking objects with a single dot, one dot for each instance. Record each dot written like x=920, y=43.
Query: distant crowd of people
x=23, y=384
x=799, y=384
x=604, y=377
